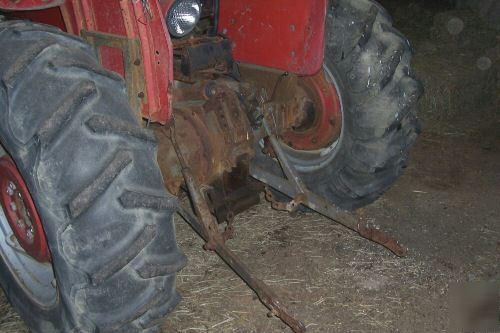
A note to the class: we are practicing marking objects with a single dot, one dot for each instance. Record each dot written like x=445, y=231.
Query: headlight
x=183, y=16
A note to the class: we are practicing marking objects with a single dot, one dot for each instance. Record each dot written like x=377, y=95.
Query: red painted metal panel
x=130, y=19
x=112, y=59
x=106, y=18
x=29, y=4
x=69, y=16
x=157, y=52
x=50, y=16
x=282, y=34
x=123, y=18
x=165, y=6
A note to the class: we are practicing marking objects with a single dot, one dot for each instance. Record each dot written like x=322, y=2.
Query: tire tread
x=118, y=158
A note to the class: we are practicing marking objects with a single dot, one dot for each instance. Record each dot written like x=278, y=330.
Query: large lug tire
x=369, y=62
x=93, y=175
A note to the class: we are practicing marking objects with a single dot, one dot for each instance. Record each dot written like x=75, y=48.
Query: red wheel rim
x=21, y=212
x=327, y=123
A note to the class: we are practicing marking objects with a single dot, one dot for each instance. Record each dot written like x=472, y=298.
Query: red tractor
x=111, y=109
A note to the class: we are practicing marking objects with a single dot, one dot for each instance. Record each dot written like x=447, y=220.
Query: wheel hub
x=21, y=212
x=322, y=122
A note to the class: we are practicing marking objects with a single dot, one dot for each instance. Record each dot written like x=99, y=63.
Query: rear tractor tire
x=70, y=137
x=368, y=62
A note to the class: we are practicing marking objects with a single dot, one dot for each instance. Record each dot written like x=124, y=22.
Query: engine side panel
x=281, y=34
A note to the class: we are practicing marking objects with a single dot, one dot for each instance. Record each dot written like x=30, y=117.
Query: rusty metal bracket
x=263, y=291
x=325, y=208
x=293, y=187
x=132, y=63
x=205, y=225
x=291, y=206
x=301, y=191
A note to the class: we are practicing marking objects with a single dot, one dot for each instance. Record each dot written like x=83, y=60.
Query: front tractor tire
x=368, y=61
x=94, y=179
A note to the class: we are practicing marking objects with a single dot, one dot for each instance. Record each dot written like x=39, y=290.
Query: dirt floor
x=445, y=209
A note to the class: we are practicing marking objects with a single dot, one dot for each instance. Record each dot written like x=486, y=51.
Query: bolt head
x=11, y=188
x=29, y=234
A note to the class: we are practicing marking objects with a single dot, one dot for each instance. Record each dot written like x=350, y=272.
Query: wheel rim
x=311, y=159
x=324, y=118
x=23, y=244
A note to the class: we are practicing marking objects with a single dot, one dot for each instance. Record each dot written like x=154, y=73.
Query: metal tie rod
x=322, y=206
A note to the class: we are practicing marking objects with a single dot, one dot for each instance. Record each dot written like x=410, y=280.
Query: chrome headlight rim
x=170, y=18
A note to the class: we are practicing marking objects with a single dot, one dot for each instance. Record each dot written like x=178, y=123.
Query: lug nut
x=11, y=188
x=29, y=234
x=13, y=207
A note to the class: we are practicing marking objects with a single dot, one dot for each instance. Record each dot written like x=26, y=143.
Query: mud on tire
x=370, y=61
x=93, y=174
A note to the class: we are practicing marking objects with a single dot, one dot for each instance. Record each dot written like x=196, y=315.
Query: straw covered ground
x=445, y=209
